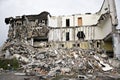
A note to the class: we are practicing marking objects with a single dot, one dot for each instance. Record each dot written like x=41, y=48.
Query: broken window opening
x=78, y=45
x=47, y=45
x=43, y=22
x=40, y=39
x=73, y=45
x=67, y=36
x=67, y=22
x=110, y=54
x=62, y=45
x=80, y=35
x=98, y=44
x=80, y=21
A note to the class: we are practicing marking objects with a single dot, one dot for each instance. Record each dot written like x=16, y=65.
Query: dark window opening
x=110, y=54
x=78, y=45
x=98, y=44
x=47, y=46
x=43, y=21
x=62, y=45
x=40, y=39
x=80, y=35
x=67, y=36
x=106, y=8
x=73, y=45
x=67, y=22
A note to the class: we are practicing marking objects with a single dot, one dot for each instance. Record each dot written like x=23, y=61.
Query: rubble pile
x=32, y=40
x=49, y=62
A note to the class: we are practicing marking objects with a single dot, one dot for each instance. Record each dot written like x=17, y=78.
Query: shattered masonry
x=78, y=44
x=77, y=30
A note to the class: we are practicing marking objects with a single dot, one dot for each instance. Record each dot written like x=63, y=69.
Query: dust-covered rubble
x=51, y=62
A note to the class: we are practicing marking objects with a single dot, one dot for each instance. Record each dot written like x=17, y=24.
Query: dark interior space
x=67, y=22
x=40, y=39
x=80, y=35
x=67, y=36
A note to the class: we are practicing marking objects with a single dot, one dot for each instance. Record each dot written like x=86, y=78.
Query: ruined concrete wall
x=116, y=39
x=87, y=19
x=60, y=21
x=105, y=8
x=113, y=12
x=52, y=21
x=108, y=20
x=46, y=28
x=106, y=26
x=88, y=31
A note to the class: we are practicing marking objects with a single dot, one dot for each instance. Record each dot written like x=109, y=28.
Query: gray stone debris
x=51, y=62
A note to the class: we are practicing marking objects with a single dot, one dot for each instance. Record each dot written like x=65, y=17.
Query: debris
x=20, y=74
x=49, y=62
x=21, y=58
x=83, y=77
x=32, y=41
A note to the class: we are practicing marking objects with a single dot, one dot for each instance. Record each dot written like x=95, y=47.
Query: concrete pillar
x=116, y=34
x=116, y=45
x=113, y=12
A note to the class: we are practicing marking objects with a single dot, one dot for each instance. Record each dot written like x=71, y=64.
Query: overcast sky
x=12, y=8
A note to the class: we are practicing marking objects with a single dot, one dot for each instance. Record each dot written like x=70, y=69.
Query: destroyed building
x=74, y=44
x=86, y=31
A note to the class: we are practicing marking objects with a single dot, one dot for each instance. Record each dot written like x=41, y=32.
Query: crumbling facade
x=77, y=30
x=73, y=45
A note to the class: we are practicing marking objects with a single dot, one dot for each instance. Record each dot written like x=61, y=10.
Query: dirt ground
x=11, y=76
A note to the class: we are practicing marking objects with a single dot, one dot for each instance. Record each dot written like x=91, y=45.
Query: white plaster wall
x=90, y=33
x=91, y=19
x=63, y=37
x=109, y=6
x=98, y=33
x=64, y=20
x=60, y=34
x=116, y=39
x=106, y=27
x=52, y=21
x=60, y=21
x=113, y=12
x=50, y=35
x=103, y=29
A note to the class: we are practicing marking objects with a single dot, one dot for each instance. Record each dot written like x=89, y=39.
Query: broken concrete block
x=65, y=70
x=21, y=58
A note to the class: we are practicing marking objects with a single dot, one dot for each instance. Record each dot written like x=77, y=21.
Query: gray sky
x=14, y=8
